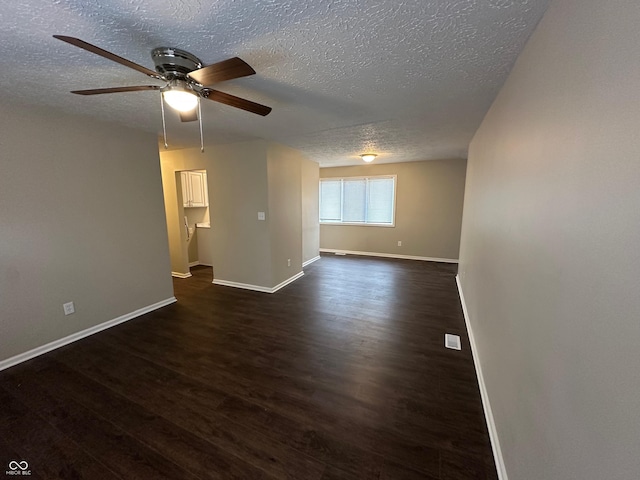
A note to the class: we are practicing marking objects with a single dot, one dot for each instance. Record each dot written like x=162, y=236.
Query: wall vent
x=452, y=341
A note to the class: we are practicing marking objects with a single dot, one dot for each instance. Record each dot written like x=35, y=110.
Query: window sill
x=355, y=224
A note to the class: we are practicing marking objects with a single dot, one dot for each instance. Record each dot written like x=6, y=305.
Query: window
x=360, y=201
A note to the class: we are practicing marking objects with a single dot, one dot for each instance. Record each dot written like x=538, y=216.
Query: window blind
x=368, y=200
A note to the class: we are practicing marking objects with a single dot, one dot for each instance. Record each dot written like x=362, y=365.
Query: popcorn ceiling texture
x=409, y=80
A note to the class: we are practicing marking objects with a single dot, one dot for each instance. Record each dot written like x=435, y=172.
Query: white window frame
x=364, y=224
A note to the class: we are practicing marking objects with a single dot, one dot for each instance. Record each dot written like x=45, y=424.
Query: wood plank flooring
x=341, y=375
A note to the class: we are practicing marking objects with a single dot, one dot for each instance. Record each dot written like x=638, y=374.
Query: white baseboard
x=180, y=275
x=23, y=357
x=287, y=282
x=258, y=288
x=390, y=255
x=309, y=262
x=193, y=264
x=486, y=405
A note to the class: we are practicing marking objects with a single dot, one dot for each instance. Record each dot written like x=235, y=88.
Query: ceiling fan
x=187, y=81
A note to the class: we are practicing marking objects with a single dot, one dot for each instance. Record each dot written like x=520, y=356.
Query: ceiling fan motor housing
x=173, y=63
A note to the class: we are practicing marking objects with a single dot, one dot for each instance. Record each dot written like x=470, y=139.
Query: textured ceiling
x=408, y=80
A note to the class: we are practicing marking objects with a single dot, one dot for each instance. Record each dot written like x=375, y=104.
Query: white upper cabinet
x=194, y=189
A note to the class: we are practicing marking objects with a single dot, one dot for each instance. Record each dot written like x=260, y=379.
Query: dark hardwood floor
x=341, y=375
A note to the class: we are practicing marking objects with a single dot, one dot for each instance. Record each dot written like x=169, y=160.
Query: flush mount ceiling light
x=368, y=157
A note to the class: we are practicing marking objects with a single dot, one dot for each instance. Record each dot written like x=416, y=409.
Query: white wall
x=549, y=258
x=81, y=219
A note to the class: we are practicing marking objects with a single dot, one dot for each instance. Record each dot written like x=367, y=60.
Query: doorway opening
x=191, y=243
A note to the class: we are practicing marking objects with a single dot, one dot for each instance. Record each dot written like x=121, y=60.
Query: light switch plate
x=261, y=216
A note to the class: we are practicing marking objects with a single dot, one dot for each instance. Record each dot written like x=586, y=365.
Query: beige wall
x=549, y=254
x=205, y=246
x=428, y=211
x=285, y=211
x=236, y=176
x=241, y=242
x=310, y=213
x=243, y=179
x=81, y=219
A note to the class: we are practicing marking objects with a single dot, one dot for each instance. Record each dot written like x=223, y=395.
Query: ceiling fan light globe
x=180, y=100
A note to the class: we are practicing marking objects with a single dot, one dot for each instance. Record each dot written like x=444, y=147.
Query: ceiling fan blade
x=98, y=91
x=111, y=56
x=190, y=116
x=237, y=102
x=225, y=70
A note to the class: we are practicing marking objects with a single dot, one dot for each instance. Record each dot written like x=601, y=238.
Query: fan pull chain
x=200, y=120
x=164, y=126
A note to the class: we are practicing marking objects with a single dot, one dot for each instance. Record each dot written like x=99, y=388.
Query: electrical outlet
x=69, y=308
x=288, y=262
x=399, y=243
x=261, y=216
